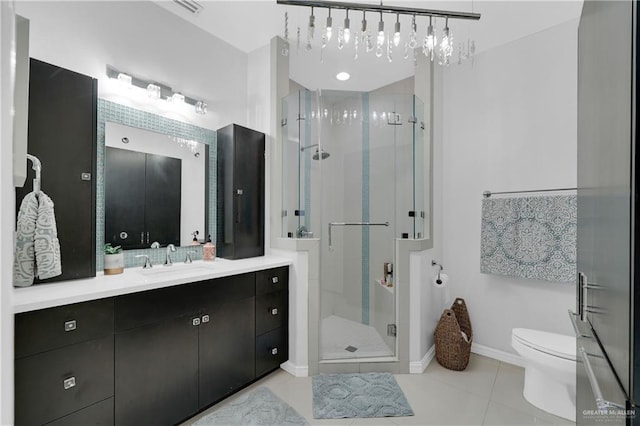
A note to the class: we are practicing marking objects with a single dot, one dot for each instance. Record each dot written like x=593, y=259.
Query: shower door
x=367, y=202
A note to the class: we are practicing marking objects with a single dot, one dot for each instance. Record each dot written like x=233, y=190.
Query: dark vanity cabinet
x=150, y=358
x=142, y=199
x=182, y=348
x=64, y=365
x=226, y=351
x=272, y=314
x=62, y=134
x=240, y=192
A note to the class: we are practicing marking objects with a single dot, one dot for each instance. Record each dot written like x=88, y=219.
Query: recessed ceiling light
x=343, y=76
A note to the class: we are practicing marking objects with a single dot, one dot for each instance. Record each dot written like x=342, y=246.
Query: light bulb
x=311, y=30
x=201, y=107
x=329, y=26
x=125, y=80
x=347, y=31
x=446, y=45
x=153, y=91
x=380, y=31
x=396, y=34
x=430, y=42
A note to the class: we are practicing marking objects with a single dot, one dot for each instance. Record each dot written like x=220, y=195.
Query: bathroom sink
x=175, y=270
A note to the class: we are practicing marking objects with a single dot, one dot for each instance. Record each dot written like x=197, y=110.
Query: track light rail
x=382, y=9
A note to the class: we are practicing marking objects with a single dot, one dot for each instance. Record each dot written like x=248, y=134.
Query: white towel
x=37, y=246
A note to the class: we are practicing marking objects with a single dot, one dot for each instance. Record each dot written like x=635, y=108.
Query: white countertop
x=43, y=296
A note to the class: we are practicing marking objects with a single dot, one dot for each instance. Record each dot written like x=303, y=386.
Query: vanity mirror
x=157, y=180
x=154, y=188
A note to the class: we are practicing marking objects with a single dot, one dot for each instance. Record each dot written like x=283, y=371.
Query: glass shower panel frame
x=420, y=163
x=296, y=164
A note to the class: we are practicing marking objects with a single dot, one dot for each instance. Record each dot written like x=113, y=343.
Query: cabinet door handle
x=142, y=238
x=195, y=322
x=239, y=192
x=70, y=325
x=274, y=351
x=205, y=318
x=275, y=280
x=274, y=311
x=69, y=383
x=147, y=237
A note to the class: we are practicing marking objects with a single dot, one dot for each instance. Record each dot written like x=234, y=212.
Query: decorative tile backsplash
x=121, y=114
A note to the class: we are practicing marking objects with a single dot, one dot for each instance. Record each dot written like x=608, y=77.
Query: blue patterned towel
x=530, y=237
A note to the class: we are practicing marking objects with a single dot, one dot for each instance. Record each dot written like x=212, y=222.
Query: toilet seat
x=556, y=345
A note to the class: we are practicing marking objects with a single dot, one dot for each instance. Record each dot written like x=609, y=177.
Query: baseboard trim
x=295, y=370
x=418, y=367
x=497, y=354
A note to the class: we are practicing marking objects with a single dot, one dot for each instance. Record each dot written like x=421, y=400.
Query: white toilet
x=550, y=372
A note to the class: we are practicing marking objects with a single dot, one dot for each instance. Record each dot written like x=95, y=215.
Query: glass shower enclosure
x=353, y=176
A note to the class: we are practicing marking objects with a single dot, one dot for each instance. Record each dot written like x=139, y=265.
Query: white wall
x=145, y=40
x=508, y=123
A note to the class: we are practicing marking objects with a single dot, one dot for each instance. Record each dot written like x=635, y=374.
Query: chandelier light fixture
x=432, y=46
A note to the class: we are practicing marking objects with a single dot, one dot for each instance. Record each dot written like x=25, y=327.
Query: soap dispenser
x=195, y=241
x=209, y=250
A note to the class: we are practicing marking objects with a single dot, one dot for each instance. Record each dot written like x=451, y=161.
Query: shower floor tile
x=341, y=338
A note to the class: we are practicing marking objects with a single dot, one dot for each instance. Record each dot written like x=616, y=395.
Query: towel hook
x=37, y=166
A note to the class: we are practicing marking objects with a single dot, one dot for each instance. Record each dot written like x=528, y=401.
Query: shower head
x=320, y=154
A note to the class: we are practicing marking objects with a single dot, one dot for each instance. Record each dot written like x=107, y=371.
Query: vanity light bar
x=157, y=90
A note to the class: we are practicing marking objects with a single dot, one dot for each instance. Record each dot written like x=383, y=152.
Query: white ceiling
x=249, y=25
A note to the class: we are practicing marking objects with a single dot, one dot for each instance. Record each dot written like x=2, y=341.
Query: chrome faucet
x=168, y=261
x=147, y=261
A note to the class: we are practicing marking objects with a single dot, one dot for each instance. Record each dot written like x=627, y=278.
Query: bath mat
x=358, y=395
x=258, y=407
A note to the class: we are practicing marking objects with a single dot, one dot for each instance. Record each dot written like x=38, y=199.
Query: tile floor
x=488, y=392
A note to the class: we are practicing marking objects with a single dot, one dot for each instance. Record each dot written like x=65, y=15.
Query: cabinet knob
x=274, y=351
x=274, y=311
x=274, y=280
x=205, y=318
x=196, y=321
x=70, y=325
x=69, y=383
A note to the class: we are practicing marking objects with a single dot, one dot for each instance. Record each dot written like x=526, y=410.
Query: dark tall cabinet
x=142, y=199
x=240, y=230
x=608, y=344
x=62, y=134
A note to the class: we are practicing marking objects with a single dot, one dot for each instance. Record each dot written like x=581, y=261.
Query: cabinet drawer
x=271, y=311
x=272, y=280
x=271, y=350
x=215, y=293
x=100, y=414
x=55, y=383
x=154, y=306
x=54, y=328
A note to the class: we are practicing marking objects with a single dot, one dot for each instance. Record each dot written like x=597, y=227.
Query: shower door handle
x=331, y=224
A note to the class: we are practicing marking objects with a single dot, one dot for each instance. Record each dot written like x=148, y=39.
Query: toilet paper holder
x=435, y=263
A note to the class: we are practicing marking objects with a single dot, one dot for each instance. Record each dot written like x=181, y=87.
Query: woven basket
x=452, y=350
